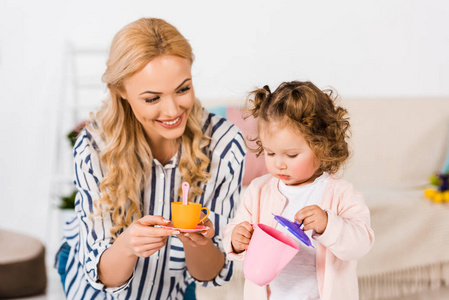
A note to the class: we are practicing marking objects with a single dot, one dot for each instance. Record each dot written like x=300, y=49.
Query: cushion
x=396, y=142
x=218, y=110
x=22, y=265
x=255, y=166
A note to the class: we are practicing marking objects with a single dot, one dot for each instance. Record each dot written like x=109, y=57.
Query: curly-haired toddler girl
x=303, y=134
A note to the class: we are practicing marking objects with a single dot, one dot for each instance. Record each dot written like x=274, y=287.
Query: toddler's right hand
x=241, y=235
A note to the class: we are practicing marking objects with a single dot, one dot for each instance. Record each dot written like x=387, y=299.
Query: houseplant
x=68, y=201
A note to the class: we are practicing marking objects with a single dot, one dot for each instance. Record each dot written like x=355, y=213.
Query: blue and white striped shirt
x=164, y=274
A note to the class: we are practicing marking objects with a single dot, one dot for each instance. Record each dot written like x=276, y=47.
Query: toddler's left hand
x=312, y=217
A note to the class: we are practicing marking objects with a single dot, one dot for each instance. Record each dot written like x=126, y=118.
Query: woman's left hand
x=200, y=238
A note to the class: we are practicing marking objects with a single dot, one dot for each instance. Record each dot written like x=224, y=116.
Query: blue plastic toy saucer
x=295, y=229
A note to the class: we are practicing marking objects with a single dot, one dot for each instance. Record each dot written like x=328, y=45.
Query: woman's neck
x=163, y=151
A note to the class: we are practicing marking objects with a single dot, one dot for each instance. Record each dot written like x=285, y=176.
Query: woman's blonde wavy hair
x=313, y=112
x=127, y=154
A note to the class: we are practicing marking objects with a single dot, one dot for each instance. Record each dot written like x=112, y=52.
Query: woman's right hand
x=143, y=239
x=241, y=235
x=140, y=239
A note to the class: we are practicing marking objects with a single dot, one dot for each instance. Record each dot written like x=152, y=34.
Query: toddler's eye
x=292, y=155
x=270, y=154
x=151, y=100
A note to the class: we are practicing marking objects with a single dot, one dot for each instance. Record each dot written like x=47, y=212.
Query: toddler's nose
x=280, y=164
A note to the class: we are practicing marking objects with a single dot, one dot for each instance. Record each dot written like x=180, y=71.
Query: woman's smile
x=171, y=123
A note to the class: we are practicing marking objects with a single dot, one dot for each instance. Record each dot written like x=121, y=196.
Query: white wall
x=361, y=48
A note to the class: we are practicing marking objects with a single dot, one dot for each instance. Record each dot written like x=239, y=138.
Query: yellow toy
x=440, y=193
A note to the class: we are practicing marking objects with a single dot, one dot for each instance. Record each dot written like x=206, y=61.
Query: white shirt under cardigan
x=298, y=280
x=164, y=274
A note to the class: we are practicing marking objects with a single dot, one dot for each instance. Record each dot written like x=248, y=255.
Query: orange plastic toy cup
x=187, y=216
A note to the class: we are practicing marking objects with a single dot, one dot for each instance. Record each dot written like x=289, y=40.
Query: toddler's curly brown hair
x=314, y=112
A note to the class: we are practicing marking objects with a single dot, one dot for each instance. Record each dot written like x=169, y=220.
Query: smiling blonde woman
x=151, y=135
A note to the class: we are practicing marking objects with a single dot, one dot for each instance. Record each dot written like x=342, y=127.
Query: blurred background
x=363, y=49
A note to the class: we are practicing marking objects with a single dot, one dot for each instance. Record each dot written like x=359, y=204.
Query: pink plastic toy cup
x=269, y=251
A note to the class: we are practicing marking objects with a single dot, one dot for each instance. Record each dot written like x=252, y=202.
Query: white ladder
x=82, y=92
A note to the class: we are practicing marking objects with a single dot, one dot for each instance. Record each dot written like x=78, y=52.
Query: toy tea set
x=270, y=250
x=186, y=215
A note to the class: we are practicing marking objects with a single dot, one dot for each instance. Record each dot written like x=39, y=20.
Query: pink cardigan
x=348, y=235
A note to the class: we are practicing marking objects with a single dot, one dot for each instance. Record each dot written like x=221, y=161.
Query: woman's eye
x=292, y=155
x=270, y=154
x=151, y=100
x=183, y=90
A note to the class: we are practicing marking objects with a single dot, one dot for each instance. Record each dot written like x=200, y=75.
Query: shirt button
x=162, y=175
